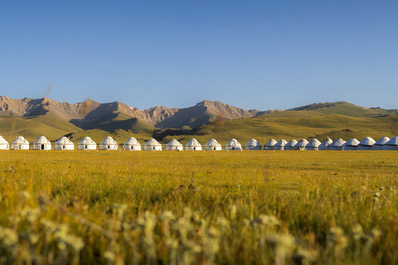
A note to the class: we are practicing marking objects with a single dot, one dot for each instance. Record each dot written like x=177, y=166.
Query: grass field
x=198, y=207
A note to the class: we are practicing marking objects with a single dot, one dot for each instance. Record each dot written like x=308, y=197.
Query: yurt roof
x=281, y=143
x=20, y=140
x=292, y=143
x=87, y=140
x=152, y=142
x=302, y=143
x=108, y=141
x=368, y=141
x=174, y=142
x=352, y=142
x=314, y=142
x=393, y=141
x=234, y=143
x=327, y=142
x=42, y=140
x=2, y=140
x=193, y=143
x=271, y=143
x=252, y=143
x=382, y=140
x=339, y=142
x=132, y=141
x=63, y=140
x=213, y=143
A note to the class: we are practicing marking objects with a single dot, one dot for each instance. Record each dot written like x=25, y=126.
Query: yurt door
x=42, y=147
x=63, y=147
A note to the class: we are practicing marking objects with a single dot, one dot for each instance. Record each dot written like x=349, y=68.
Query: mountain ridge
x=90, y=111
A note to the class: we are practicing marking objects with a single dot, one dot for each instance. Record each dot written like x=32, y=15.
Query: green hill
x=119, y=135
x=33, y=127
x=343, y=108
x=116, y=120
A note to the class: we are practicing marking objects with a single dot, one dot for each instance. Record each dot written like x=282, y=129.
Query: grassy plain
x=198, y=207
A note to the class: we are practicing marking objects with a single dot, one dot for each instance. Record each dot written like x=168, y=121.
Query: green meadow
x=259, y=207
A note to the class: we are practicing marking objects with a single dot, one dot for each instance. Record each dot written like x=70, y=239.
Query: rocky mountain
x=91, y=114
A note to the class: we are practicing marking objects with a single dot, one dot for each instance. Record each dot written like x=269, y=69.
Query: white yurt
x=87, y=144
x=337, y=145
x=270, y=145
x=213, y=145
x=20, y=143
x=325, y=144
x=301, y=144
x=366, y=144
x=64, y=143
x=41, y=143
x=108, y=144
x=379, y=145
x=253, y=145
x=152, y=145
x=280, y=145
x=351, y=145
x=174, y=145
x=392, y=144
x=4, y=145
x=193, y=145
x=290, y=145
x=313, y=144
x=132, y=145
x=233, y=144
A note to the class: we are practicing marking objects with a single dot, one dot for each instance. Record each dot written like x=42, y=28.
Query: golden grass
x=198, y=207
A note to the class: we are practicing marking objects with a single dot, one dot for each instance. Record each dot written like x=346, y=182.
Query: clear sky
x=251, y=54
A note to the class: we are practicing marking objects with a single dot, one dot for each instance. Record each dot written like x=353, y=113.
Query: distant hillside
x=304, y=122
x=32, y=127
x=343, y=108
x=115, y=121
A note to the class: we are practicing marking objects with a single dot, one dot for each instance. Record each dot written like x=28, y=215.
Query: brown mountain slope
x=203, y=113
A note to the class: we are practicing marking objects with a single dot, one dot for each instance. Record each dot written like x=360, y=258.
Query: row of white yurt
x=42, y=143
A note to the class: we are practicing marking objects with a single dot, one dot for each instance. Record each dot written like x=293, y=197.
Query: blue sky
x=252, y=54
